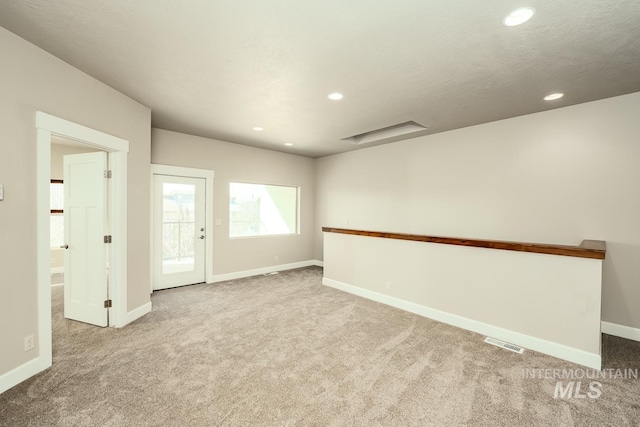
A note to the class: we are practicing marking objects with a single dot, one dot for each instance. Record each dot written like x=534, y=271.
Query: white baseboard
x=621, y=331
x=57, y=270
x=137, y=313
x=317, y=263
x=21, y=373
x=248, y=273
x=560, y=351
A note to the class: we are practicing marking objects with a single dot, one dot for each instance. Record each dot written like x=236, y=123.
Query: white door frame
x=48, y=125
x=207, y=175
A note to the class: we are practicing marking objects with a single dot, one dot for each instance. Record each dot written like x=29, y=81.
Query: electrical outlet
x=276, y=257
x=218, y=222
x=388, y=285
x=28, y=343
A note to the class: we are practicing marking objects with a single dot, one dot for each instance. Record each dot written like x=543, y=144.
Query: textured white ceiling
x=219, y=68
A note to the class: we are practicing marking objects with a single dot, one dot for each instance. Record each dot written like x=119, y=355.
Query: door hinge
x=107, y=174
x=107, y=303
x=107, y=239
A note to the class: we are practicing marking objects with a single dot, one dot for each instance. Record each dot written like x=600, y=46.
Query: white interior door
x=85, y=225
x=178, y=231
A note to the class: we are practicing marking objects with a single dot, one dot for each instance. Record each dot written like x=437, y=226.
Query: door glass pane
x=178, y=227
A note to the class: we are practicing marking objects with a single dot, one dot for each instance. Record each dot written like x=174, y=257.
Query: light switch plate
x=1, y=192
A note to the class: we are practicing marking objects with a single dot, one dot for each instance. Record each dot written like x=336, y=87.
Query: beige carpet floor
x=286, y=351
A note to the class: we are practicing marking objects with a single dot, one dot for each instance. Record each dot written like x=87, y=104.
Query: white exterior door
x=179, y=233
x=85, y=225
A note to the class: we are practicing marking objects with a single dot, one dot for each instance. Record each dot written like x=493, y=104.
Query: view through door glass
x=179, y=235
x=178, y=227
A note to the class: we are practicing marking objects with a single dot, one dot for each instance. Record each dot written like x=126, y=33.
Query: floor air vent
x=505, y=345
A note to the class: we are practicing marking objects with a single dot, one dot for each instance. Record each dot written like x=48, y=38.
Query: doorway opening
x=49, y=126
x=79, y=222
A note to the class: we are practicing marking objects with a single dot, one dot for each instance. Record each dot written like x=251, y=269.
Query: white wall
x=233, y=162
x=518, y=297
x=554, y=177
x=32, y=80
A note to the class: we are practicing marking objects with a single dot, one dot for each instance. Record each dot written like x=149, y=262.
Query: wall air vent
x=389, y=134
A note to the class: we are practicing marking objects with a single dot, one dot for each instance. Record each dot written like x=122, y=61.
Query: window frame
x=56, y=211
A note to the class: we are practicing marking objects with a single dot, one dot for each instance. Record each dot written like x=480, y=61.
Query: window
x=262, y=210
x=56, y=197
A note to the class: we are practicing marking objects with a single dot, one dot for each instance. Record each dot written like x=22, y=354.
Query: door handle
x=64, y=246
x=202, y=237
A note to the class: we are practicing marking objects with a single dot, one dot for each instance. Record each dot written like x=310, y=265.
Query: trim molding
x=118, y=252
x=57, y=270
x=80, y=133
x=620, y=331
x=255, y=272
x=21, y=373
x=46, y=126
x=138, y=313
x=560, y=351
x=318, y=263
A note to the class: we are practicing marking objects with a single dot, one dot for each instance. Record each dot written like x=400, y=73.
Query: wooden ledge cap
x=595, y=249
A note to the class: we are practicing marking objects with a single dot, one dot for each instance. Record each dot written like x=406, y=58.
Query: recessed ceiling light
x=518, y=16
x=288, y=144
x=258, y=128
x=335, y=96
x=553, y=96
